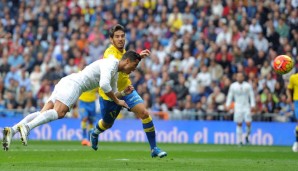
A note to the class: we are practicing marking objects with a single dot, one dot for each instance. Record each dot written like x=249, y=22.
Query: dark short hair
x=132, y=56
x=115, y=28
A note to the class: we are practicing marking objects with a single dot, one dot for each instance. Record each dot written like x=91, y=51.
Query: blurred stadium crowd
x=197, y=47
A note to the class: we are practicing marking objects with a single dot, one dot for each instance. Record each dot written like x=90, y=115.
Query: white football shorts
x=66, y=91
x=241, y=115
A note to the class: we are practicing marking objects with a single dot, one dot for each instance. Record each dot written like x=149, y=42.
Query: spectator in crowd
x=215, y=70
x=187, y=62
x=169, y=98
x=272, y=36
x=24, y=80
x=35, y=79
x=270, y=106
x=70, y=67
x=285, y=110
x=204, y=77
x=15, y=59
x=11, y=75
x=10, y=102
x=261, y=43
x=188, y=112
x=225, y=36
x=265, y=69
x=282, y=28
x=243, y=41
x=251, y=67
x=224, y=57
x=199, y=94
x=259, y=58
x=180, y=89
x=250, y=50
x=217, y=8
x=21, y=97
x=175, y=20
x=216, y=98
x=254, y=28
x=4, y=66
x=193, y=82
x=200, y=111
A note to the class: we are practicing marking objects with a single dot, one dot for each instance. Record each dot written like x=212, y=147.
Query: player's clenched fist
x=145, y=53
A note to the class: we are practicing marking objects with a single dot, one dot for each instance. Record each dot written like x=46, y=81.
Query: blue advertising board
x=199, y=132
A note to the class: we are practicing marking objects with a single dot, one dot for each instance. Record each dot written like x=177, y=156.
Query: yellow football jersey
x=293, y=85
x=89, y=96
x=123, y=79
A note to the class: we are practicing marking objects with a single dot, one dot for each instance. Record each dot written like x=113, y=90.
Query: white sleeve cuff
x=106, y=87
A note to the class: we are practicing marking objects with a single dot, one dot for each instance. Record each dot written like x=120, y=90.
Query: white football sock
x=44, y=117
x=25, y=120
x=239, y=134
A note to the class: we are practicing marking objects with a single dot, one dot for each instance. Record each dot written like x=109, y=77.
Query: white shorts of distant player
x=242, y=114
x=66, y=91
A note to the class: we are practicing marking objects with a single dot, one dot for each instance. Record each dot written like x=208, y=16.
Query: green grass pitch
x=70, y=155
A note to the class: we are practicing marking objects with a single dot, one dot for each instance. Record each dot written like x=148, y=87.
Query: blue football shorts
x=87, y=109
x=110, y=110
x=296, y=109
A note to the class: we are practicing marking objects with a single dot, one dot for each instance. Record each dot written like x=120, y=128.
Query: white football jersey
x=242, y=94
x=102, y=73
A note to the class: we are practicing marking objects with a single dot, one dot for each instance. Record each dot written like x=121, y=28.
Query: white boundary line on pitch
x=122, y=159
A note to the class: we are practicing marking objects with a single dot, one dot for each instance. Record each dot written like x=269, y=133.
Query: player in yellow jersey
x=87, y=111
x=293, y=95
x=110, y=110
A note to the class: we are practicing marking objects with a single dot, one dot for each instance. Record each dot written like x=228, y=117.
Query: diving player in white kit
x=101, y=73
x=241, y=92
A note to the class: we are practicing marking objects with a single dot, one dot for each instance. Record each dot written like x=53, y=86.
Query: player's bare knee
x=49, y=105
x=144, y=114
x=61, y=111
x=61, y=114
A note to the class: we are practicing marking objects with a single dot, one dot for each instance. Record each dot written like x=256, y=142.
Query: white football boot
x=24, y=130
x=7, y=135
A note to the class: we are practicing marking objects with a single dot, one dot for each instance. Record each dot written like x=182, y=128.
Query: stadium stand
x=197, y=47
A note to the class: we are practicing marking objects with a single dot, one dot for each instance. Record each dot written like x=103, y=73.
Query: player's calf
x=100, y=128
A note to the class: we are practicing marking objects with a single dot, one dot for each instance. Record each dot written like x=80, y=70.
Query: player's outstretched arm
x=119, y=102
x=125, y=92
x=289, y=95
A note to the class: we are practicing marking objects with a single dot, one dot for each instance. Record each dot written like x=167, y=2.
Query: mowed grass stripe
x=70, y=155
